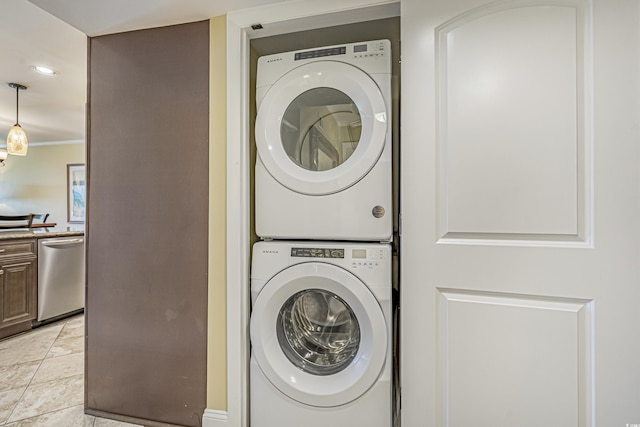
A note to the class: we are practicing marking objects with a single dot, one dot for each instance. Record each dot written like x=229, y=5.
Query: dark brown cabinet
x=18, y=286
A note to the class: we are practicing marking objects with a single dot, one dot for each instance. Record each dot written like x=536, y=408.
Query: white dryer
x=321, y=334
x=323, y=136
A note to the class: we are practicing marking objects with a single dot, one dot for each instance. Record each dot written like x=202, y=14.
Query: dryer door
x=321, y=127
x=318, y=334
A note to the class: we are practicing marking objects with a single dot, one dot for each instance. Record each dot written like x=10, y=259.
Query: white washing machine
x=321, y=334
x=323, y=135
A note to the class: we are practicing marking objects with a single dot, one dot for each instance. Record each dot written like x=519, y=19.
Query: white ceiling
x=98, y=17
x=52, y=108
x=54, y=33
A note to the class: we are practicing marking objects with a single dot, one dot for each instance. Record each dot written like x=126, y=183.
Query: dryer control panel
x=372, y=49
x=373, y=57
x=319, y=53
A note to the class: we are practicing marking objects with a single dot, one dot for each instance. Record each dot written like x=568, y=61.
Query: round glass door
x=318, y=332
x=321, y=127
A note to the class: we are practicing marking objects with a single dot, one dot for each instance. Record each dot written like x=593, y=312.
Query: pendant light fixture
x=17, y=143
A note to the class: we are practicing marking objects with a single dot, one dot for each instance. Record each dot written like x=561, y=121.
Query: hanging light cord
x=17, y=100
x=17, y=87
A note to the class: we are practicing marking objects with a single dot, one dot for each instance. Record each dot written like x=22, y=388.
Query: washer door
x=321, y=127
x=318, y=334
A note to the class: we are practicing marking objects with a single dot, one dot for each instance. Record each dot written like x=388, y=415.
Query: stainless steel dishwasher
x=60, y=276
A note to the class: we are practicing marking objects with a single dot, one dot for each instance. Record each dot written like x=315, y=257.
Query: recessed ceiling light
x=43, y=70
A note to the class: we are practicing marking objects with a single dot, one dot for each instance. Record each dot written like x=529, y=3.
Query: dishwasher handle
x=61, y=242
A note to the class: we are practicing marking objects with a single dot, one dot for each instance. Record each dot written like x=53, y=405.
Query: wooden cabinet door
x=17, y=292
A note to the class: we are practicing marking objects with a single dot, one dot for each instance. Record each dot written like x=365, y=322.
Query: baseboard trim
x=127, y=419
x=213, y=418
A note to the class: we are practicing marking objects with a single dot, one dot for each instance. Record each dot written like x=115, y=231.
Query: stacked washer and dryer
x=321, y=277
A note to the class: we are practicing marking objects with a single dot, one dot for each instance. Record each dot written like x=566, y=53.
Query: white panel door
x=520, y=204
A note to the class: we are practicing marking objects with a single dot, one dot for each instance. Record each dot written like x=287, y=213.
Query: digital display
x=317, y=253
x=320, y=53
x=359, y=253
x=360, y=48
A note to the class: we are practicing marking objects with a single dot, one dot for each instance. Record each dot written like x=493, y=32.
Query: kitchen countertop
x=40, y=233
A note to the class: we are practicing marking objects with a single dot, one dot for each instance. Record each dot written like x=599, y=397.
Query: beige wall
x=217, y=326
x=37, y=183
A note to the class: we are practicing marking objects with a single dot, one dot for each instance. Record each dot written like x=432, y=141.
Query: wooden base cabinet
x=18, y=286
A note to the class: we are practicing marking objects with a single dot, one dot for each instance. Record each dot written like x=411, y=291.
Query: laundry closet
x=324, y=126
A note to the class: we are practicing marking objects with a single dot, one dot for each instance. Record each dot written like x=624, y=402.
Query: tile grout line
x=34, y=375
x=90, y=423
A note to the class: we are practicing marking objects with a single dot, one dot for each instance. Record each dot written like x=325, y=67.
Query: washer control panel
x=317, y=252
x=366, y=258
x=356, y=258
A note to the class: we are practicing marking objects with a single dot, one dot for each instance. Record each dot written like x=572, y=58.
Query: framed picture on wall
x=76, y=193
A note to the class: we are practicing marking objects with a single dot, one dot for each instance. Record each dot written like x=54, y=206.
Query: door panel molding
x=499, y=350
x=514, y=136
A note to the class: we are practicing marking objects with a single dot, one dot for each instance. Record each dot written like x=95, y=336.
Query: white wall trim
x=281, y=18
x=38, y=144
x=213, y=418
x=238, y=206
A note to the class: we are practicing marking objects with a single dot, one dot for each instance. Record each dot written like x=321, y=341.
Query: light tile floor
x=42, y=378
